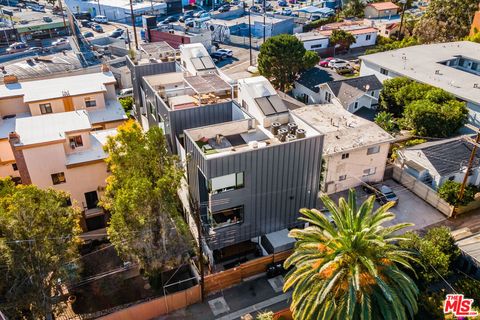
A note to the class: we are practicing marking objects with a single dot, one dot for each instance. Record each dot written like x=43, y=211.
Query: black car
x=224, y=8
x=186, y=15
x=86, y=23
x=218, y=56
x=171, y=19
x=85, y=15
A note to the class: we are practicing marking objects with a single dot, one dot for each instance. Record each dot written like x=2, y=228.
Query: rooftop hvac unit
x=291, y=137
x=282, y=134
x=292, y=127
x=300, y=133
x=275, y=127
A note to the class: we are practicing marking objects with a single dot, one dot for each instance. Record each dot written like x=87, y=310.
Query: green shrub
x=470, y=288
x=449, y=191
x=127, y=104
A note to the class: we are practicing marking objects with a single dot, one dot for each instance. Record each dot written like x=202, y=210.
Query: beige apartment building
x=355, y=150
x=52, y=134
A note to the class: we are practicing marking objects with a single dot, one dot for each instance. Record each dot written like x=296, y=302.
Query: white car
x=228, y=52
x=60, y=42
x=100, y=19
x=337, y=63
x=125, y=93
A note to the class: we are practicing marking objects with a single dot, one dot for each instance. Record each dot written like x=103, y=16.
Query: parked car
x=228, y=52
x=224, y=8
x=189, y=22
x=34, y=50
x=115, y=33
x=59, y=42
x=98, y=28
x=337, y=63
x=268, y=6
x=84, y=15
x=282, y=3
x=171, y=19
x=205, y=15
x=324, y=63
x=36, y=7
x=387, y=195
x=100, y=19
x=344, y=70
x=218, y=56
x=255, y=9
x=198, y=13
x=186, y=15
x=124, y=93
x=17, y=47
x=86, y=23
x=315, y=17
x=88, y=34
x=286, y=12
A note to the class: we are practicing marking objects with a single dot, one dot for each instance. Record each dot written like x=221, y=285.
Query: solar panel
x=265, y=106
x=277, y=103
x=207, y=62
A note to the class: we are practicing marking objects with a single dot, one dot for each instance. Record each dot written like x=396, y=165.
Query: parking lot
x=410, y=208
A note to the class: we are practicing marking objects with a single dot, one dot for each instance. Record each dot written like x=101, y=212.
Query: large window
x=369, y=172
x=315, y=46
x=384, y=71
x=45, y=108
x=345, y=156
x=373, y=150
x=75, y=142
x=58, y=178
x=328, y=96
x=226, y=217
x=90, y=102
x=226, y=183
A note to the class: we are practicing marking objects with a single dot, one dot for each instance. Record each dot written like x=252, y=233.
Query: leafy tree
x=449, y=191
x=349, y=269
x=127, y=104
x=343, y=38
x=388, y=100
x=446, y=20
x=414, y=91
x=437, y=252
x=384, y=45
x=281, y=58
x=38, y=238
x=427, y=118
x=386, y=121
x=354, y=8
x=141, y=195
x=310, y=59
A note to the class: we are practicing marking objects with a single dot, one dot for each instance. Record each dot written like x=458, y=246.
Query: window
x=75, y=142
x=89, y=102
x=373, y=94
x=461, y=61
x=45, y=108
x=328, y=96
x=58, y=178
x=14, y=167
x=355, y=105
x=343, y=177
x=368, y=37
x=226, y=183
x=226, y=217
x=151, y=108
x=474, y=66
x=373, y=150
x=314, y=46
x=369, y=172
x=345, y=155
x=384, y=71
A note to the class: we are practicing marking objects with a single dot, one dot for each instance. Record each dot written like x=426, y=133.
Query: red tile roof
x=381, y=6
x=354, y=32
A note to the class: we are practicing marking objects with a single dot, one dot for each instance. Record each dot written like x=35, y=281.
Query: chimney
x=104, y=68
x=13, y=139
x=10, y=78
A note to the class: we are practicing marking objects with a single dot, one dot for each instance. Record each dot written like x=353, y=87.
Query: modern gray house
x=250, y=166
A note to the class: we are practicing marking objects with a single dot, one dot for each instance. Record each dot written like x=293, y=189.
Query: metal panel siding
x=279, y=180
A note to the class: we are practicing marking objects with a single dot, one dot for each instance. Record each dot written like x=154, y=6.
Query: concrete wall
x=317, y=44
x=78, y=103
x=304, y=92
x=362, y=41
x=6, y=160
x=13, y=105
x=353, y=168
x=371, y=12
x=278, y=181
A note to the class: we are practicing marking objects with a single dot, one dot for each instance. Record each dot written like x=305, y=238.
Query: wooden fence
x=225, y=279
x=157, y=307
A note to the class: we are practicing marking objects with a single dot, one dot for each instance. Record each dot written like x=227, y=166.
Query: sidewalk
x=230, y=304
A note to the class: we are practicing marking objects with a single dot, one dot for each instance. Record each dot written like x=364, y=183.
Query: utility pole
x=196, y=214
x=470, y=161
x=99, y=8
x=60, y=6
x=133, y=24
x=128, y=39
x=400, y=34
x=250, y=34
x=264, y=16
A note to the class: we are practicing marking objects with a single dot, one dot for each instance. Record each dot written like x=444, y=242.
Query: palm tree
x=348, y=268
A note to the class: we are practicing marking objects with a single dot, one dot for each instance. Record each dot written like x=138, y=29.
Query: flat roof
x=50, y=127
x=343, y=130
x=97, y=140
x=45, y=89
x=309, y=36
x=471, y=246
x=422, y=63
x=113, y=111
x=207, y=83
x=8, y=125
x=354, y=31
x=380, y=6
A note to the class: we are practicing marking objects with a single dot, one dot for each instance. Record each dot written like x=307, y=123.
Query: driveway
x=410, y=208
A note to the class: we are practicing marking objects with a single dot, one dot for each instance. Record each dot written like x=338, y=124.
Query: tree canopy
x=342, y=38
x=38, y=241
x=354, y=8
x=281, y=59
x=446, y=20
x=141, y=195
x=349, y=268
x=450, y=190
